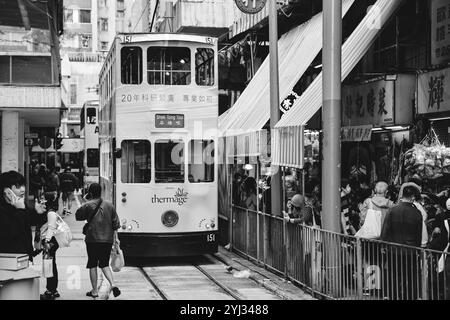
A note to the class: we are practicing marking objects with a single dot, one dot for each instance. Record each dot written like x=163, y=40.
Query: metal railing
x=337, y=266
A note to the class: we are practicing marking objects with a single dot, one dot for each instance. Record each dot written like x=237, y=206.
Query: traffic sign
x=251, y=6
x=45, y=142
x=29, y=142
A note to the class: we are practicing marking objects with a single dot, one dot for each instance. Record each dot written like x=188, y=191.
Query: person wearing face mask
x=15, y=218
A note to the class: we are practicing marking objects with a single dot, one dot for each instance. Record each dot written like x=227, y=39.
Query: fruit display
x=427, y=162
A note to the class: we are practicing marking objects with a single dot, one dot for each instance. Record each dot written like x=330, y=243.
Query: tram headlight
x=169, y=218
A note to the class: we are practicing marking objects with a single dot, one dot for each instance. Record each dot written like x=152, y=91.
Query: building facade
x=30, y=76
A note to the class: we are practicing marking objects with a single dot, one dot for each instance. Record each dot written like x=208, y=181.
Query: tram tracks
x=153, y=284
x=163, y=289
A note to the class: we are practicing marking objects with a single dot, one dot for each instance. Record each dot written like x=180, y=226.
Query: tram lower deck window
x=93, y=158
x=201, y=161
x=170, y=66
x=136, y=161
x=169, y=161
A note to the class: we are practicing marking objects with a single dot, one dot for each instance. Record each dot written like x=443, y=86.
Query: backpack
x=51, y=182
x=66, y=183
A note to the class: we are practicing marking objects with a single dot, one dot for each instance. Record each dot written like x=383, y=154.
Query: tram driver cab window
x=136, y=161
x=169, y=161
x=131, y=65
x=201, y=161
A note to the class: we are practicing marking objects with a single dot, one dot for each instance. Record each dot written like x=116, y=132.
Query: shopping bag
x=47, y=266
x=441, y=262
x=371, y=228
x=63, y=234
x=117, y=261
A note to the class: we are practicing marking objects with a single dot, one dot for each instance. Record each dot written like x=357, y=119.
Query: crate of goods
x=13, y=261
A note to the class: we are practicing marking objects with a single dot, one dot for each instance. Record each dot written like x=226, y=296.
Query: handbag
x=63, y=234
x=371, y=229
x=117, y=261
x=47, y=266
x=86, y=226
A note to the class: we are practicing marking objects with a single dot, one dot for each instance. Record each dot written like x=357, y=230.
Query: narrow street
x=183, y=278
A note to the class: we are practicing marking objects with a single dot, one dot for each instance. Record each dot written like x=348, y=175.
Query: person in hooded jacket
x=378, y=202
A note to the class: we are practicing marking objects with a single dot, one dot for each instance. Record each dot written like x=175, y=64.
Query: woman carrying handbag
x=50, y=245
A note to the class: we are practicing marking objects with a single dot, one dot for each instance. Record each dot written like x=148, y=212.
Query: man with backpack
x=69, y=182
x=101, y=234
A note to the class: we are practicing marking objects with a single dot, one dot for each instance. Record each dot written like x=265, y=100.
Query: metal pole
x=331, y=165
x=274, y=99
x=331, y=125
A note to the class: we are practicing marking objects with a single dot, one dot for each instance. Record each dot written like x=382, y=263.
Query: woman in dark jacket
x=15, y=219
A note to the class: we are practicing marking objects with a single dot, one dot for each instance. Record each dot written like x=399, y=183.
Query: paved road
x=198, y=278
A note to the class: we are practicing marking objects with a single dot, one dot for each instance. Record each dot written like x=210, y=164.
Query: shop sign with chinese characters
x=356, y=133
x=434, y=92
x=370, y=103
x=440, y=31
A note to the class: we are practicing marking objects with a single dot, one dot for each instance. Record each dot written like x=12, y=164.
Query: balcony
x=210, y=16
x=46, y=97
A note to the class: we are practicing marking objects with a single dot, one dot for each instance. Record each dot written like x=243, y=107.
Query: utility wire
x=143, y=11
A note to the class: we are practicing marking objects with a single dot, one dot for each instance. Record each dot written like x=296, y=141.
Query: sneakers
x=48, y=295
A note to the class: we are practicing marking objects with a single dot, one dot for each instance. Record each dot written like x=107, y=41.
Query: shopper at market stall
x=348, y=209
x=404, y=222
x=403, y=225
x=249, y=193
x=378, y=202
x=299, y=211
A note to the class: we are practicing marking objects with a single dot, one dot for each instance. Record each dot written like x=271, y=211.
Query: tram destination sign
x=164, y=121
x=251, y=6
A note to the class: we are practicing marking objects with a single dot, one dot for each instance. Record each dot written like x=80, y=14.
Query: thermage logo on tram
x=180, y=198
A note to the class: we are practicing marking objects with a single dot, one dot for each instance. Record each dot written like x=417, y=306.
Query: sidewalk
x=72, y=273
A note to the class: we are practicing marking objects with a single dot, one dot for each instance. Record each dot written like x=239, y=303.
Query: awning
x=247, y=144
x=311, y=100
x=297, y=49
x=290, y=149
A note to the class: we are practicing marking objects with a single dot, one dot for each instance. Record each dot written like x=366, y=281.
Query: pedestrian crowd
x=408, y=216
x=41, y=230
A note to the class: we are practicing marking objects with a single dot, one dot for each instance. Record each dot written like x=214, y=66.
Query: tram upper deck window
x=131, y=65
x=201, y=161
x=91, y=116
x=169, y=161
x=136, y=161
x=204, y=67
x=170, y=66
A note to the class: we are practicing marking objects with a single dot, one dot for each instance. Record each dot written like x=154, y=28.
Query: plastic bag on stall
x=47, y=266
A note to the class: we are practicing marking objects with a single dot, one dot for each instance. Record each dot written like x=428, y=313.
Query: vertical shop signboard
x=434, y=92
x=440, y=31
x=369, y=103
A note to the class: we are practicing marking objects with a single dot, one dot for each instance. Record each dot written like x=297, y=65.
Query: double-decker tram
x=158, y=136
x=89, y=129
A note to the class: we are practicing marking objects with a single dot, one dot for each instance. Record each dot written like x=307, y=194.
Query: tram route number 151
x=211, y=237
